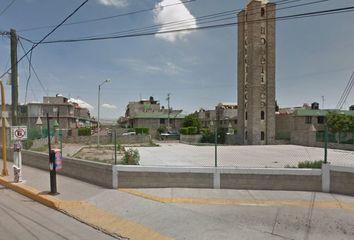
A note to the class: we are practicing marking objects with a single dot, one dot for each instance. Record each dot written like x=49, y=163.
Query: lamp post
x=98, y=110
x=215, y=141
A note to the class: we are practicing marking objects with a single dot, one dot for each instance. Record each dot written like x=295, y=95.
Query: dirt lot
x=103, y=154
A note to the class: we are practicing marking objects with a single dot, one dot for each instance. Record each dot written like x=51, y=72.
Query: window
x=262, y=78
x=246, y=136
x=246, y=116
x=235, y=121
x=262, y=115
x=308, y=120
x=263, y=41
x=162, y=121
x=262, y=68
x=263, y=60
x=262, y=30
x=262, y=12
x=320, y=120
x=262, y=136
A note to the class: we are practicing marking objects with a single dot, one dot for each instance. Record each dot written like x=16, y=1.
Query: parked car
x=169, y=135
x=129, y=134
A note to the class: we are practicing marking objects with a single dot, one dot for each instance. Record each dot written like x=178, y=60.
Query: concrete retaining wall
x=190, y=139
x=335, y=179
x=342, y=180
x=92, y=172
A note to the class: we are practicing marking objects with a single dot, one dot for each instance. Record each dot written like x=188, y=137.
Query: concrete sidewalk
x=196, y=213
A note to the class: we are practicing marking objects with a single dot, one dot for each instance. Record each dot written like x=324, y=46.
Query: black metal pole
x=53, y=175
x=115, y=147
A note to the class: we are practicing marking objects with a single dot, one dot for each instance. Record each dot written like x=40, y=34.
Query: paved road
x=176, y=154
x=21, y=218
x=198, y=214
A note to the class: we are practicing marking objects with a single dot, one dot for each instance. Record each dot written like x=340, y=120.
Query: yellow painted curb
x=242, y=202
x=89, y=214
x=31, y=193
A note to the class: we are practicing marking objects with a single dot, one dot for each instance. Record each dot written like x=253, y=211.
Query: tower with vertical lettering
x=256, y=73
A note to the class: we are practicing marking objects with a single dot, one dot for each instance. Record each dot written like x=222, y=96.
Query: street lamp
x=216, y=141
x=98, y=110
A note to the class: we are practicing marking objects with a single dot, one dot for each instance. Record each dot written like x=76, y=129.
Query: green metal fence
x=36, y=133
x=337, y=137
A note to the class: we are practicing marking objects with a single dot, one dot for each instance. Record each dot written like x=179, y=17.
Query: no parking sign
x=18, y=132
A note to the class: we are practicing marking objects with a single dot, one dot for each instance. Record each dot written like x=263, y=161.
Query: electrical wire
x=47, y=35
x=7, y=7
x=281, y=18
x=108, y=17
x=29, y=59
x=346, y=92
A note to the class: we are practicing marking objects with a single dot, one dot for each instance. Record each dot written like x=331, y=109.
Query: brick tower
x=256, y=73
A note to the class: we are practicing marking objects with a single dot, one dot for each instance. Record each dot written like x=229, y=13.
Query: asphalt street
x=22, y=218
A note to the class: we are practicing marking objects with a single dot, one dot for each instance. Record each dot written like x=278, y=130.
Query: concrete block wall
x=91, y=172
x=341, y=180
x=190, y=139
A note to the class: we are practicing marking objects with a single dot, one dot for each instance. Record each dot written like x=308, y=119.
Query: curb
x=32, y=193
x=89, y=214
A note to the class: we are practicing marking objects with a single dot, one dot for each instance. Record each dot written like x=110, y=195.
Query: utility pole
x=168, y=106
x=323, y=101
x=14, y=77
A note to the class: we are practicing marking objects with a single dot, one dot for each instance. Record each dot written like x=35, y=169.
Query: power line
x=282, y=18
x=346, y=92
x=36, y=44
x=7, y=7
x=108, y=17
x=31, y=67
x=201, y=19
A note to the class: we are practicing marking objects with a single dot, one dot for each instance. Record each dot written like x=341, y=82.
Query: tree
x=338, y=122
x=192, y=120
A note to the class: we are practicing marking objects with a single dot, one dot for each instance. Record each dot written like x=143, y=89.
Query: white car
x=129, y=134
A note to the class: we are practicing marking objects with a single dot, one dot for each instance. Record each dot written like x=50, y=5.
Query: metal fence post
x=325, y=145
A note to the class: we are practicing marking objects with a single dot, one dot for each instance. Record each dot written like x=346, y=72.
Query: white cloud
x=81, y=103
x=176, y=12
x=109, y=106
x=167, y=68
x=115, y=3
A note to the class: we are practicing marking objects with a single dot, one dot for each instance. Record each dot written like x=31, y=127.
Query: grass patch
x=307, y=164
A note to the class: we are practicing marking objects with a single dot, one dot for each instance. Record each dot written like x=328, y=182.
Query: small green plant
x=142, y=131
x=192, y=130
x=310, y=164
x=84, y=131
x=131, y=157
x=162, y=129
x=184, y=131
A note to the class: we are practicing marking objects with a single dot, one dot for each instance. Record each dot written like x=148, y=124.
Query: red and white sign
x=18, y=132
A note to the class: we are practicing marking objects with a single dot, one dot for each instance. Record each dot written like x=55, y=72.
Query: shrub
x=27, y=144
x=161, y=129
x=310, y=164
x=142, y=131
x=192, y=130
x=84, y=131
x=204, y=130
x=131, y=157
x=192, y=120
x=208, y=137
x=183, y=131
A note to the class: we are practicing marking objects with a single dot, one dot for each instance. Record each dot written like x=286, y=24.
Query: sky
x=314, y=56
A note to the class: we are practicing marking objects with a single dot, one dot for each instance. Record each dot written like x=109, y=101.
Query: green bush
x=183, y=131
x=161, y=129
x=142, y=131
x=84, y=131
x=192, y=130
x=131, y=157
x=27, y=144
x=208, y=137
x=310, y=164
x=204, y=130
